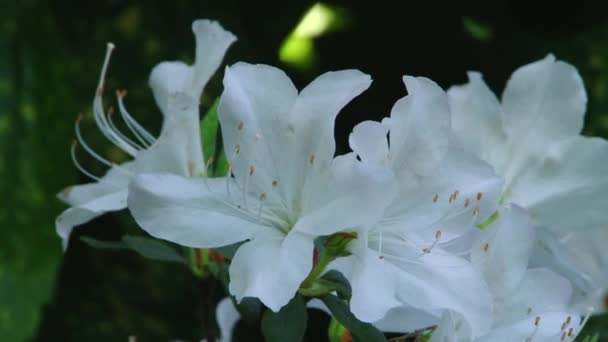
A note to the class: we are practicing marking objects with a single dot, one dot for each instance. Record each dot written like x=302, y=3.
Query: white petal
x=84, y=212
x=317, y=106
x=178, y=149
x=543, y=102
x=420, y=123
x=271, y=268
x=227, y=316
x=477, y=119
x=168, y=79
x=405, y=319
x=348, y=195
x=549, y=329
x=188, y=211
x=540, y=291
x=373, y=286
x=460, y=192
x=440, y=281
x=254, y=115
x=451, y=328
x=567, y=190
x=503, y=250
x=212, y=42
x=369, y=141
x=114, y=180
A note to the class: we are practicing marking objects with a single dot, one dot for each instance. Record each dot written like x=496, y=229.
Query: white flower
x=284, y=189
x=177, y=88
x=528, y=304
x=581, y=256
x=533, y=140
x=402, y=264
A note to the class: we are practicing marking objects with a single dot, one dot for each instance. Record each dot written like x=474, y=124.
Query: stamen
x=486, y=247
x=237, y=148
x=77, y=164
x=275, y=183
x=570, y=332
x=466, y=203
x=380, y=245
x=428, y=250
x=536, y=324
x=140, y=133
x=262, y=199
x=241, y=125
x=563, y=336
x=529, y=310
x=435, y=198
x=80, y=140
x=311, y=159
x=476, y=211
x=566, y=323
x=251, y=170
x=479, y=196
x=115, y=129
x=99, y=114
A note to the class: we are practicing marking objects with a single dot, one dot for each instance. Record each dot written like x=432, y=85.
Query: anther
x=237, y=148
x=466, y=203
x=435, y=198
x=121, y=93
x=262, y=199
x=275, y=183
x=537, y=321
x=563, y=336
x=438, y=235
x=311, y=160
x=570, y=332
x=529, y=310
x=241, y=125
x=479, y=195
x=426, y=250
x=251, y=170
x=210, y=161
x=476, y=211
x=486, y=247
x=566, y=323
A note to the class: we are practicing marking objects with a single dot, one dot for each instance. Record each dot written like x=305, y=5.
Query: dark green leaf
x=339, y=282
x=152, y=249
x=250, y=309
x=100, y=244
x=361, y=331
x=289, y=324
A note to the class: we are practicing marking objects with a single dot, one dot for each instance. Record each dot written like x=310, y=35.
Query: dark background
x=50, y=56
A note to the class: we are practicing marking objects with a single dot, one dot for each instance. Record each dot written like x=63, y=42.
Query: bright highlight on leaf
x=298, y=49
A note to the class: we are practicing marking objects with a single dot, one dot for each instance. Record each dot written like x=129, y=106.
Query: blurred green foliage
x=50, y=55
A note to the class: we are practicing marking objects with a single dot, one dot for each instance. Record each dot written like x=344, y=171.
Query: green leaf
x=361, y=331
x=250, y=309
x=209, y=128
x=152, y=249
x=340, y=284
x=146, y=247
x=289, y=324
x=100, y=244
x=589, y=338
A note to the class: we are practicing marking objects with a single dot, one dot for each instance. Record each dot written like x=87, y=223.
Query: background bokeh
x=50, y=56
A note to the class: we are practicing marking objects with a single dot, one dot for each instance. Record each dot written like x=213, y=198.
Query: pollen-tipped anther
x=479, y=196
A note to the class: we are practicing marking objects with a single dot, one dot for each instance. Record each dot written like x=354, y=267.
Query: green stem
x=317, y=270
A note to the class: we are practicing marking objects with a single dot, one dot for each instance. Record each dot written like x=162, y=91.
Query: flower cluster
x=478, y=217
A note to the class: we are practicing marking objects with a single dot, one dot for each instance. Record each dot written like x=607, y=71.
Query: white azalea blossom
x=529, y=304
x=581, y=256
x=285, y=188
x=533, y=140
x=177, y=88
x=402, y=264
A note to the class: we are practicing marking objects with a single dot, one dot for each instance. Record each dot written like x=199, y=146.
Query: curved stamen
x=99, y=113
x=141, y=133
x=120, y=134
x=77, y=164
